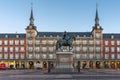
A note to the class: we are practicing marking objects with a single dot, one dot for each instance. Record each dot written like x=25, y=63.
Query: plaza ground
x=96, y=74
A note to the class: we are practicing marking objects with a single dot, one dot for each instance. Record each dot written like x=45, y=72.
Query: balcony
x=22, y=51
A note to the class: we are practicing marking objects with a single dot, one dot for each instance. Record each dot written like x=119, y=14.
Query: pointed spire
x=31, y=15
x=96, y=17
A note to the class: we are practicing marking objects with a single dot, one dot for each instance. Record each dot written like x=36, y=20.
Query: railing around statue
x=65, y=68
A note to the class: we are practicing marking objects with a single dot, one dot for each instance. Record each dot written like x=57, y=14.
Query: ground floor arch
x=118, y=64
x=84, y=64
x=91, y=64
x=44, y=65
x=112, y=64
x=31, y=64
x=98, y=64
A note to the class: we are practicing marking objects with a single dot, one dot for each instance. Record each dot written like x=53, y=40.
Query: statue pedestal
x=64, y=62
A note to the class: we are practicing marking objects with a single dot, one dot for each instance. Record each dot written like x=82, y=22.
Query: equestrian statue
x=65, y=41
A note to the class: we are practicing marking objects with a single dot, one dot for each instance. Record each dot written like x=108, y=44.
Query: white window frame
x=106, y=56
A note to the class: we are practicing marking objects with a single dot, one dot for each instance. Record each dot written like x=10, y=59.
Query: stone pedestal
x=64, y=62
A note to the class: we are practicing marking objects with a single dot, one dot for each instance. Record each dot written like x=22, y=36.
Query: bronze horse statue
x=65, y=42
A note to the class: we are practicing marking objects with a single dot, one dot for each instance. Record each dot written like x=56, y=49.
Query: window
x=84, y=56
x=22, y=56
x=112, y=56
x=112, y=37
x=50, y=42
x=0, y=42
x=43, y=41
x=77, y=49
x=106, y=49
x=118, y=49
x=78, y=36
x=11, y=56
x=97, y=35
x=84, y=35
x=44, y=36
x=106, y=56
x=5, y=49
x=106, y=43
x=112, y=49
x=11, y=42
x=17, y=36
x=84, y=42
x=91, y=56
x=22, y=49
x=5, y=42
x=0, y=56
x=98, y=42
x=6, y=56
x=30, y=42
x=98, y=56
x=16, y=42
x=77, y=55
x=16, y=49
x=6, y=36
x=118, y=56
x=50, y=56
x=51, y=49
x=0, y=49
x=77, y=41
x=11, y=49
x=91, y=42
x=51, y=36
x=16, y=56
x=30, y=49
x=97, y=49
x=84, y=49
x=30, y=56
x=37, y=56
x=44, y=49
x=37, y=49
x=21, y=42
x=91, y=49
x=118, y=42
x=112, y=42
x=44, y=56
x=37, y=42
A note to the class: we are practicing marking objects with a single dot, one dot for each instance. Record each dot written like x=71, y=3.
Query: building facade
x=94, y=49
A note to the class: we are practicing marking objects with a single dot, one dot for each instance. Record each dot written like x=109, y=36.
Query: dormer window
x=51, y=36
x=17, y=36
x=57, y=35
x=112, y=37
x=77, y=36
x=6, y=36
x=44, y=36
x=84, y=35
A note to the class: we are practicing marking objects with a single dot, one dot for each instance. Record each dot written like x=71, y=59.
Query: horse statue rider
x=65, y=41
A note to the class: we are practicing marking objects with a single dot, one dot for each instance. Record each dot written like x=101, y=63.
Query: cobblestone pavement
x=40, y=75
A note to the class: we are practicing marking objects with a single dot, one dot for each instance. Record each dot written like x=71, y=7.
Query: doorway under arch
x=31, y=65
x=91, y=65
x=84, y=63
x=44, y=63
x=98, y=63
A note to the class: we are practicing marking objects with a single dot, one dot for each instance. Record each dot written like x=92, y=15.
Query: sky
x=59, y=15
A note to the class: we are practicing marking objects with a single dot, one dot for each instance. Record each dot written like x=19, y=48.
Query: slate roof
x=12, y=35
x=109, y=35
x=60, y=34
